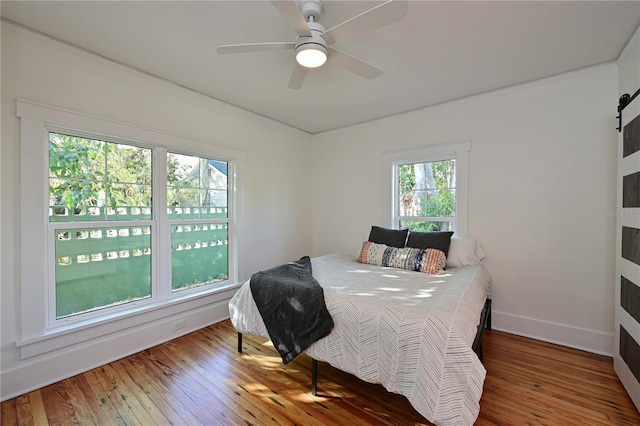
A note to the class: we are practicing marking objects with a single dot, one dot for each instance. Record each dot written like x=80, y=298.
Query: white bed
x=409, y=331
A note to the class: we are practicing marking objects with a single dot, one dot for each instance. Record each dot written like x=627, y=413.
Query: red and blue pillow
x=428, y=260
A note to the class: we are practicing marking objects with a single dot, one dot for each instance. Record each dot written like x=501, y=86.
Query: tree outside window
x=427, y=195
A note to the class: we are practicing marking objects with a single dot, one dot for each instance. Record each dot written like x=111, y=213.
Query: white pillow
x=464, y=252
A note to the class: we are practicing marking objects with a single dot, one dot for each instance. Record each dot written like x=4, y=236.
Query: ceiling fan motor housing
x=311, y=8
x=316, y=37
x=311, y=52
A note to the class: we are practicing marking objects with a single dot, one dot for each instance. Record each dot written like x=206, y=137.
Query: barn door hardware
x=622, y=103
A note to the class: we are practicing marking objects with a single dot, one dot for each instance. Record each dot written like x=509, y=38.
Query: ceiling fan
x=312, y=42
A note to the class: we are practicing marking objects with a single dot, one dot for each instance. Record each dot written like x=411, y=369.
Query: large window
x=93, y=183
x=427, y=188
x=119, y=223
x=102, y=223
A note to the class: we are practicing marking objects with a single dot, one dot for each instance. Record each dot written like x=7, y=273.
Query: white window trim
x=35, y=122
x=457, y=150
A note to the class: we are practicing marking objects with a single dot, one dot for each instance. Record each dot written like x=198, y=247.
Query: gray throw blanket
x=291, y=303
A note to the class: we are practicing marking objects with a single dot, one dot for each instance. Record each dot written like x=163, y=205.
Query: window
x=100, y=215
x=199, y=216
x=427, y=195
x=427, y=188
x=120, y=225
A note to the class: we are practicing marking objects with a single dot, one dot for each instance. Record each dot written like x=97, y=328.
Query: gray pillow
x=436, y=240
x=388, y=237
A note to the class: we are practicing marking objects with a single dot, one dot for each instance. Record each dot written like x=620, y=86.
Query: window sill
x=68, y=335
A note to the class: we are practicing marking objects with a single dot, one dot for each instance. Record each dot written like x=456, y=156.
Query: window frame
x=39, y=333
x=447, y=151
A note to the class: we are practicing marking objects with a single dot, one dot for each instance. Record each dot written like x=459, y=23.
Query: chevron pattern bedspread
x=409, y=331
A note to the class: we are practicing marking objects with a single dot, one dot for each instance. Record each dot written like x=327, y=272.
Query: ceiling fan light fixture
x=311, y=55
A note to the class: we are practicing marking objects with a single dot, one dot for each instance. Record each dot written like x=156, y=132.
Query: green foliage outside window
x=87, y=172
x=427, y=190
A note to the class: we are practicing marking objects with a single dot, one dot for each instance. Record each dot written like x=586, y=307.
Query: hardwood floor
x=200, y=378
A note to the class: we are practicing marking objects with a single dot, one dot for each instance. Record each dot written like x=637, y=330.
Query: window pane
x=199, y=254
x=129, y=195
x=70, y=197
x=426, y=226
x=101, y=267
x=75, y=157
x=128, y=164
x=196, y=187
x=427, y=189
x=214, y=198
x=89, y=178
x=431, y=203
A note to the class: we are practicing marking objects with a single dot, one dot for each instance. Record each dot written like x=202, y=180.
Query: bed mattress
x=409, y=331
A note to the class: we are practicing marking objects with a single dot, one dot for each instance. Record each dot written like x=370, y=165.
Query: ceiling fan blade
x=292, y=15
x=353, y=64
x=254, y=47
x=380, y=16
x=297, y=77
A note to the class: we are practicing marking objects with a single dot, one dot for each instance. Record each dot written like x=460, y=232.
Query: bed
x=412, y=332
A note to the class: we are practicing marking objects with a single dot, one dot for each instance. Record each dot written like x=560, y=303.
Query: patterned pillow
x=430, y=261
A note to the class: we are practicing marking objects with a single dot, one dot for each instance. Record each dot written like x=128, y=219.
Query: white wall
x=629, y=66
x=277, y=200
x=541, y=177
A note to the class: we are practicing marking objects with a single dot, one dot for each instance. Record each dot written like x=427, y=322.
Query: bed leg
x=485, y=322
x=239, y=342
x=314, y=377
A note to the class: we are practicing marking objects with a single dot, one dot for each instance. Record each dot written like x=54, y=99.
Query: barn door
x=626, y=360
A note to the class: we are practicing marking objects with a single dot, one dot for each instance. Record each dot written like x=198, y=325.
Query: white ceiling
x=442, y=50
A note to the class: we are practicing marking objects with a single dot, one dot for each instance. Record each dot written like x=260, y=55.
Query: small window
x=427, y=188
x=427, y=195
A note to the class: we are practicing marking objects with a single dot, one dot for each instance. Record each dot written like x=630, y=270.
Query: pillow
x=429, y=261
x=388, y=237
x=436, y=240
x=464, y=252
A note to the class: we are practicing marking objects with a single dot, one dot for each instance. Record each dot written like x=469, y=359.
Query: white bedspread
x=409, y=331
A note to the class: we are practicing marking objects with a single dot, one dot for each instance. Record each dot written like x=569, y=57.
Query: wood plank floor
x=200, y=378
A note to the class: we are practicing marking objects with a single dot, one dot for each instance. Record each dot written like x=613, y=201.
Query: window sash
x=215, y=241
x=98, y=311
x=426, y=218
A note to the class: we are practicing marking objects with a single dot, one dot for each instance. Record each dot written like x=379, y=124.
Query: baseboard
x=45, y=370
x=561, y=334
